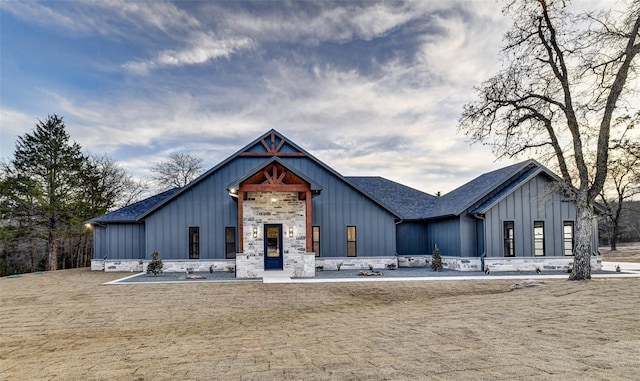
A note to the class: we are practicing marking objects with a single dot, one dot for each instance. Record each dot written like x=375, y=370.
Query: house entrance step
x=271, y=276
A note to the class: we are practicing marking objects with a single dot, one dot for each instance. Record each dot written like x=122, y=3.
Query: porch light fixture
x=255, y=232
x=290, y=231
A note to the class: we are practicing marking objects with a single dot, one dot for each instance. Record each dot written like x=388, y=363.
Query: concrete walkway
x=627, y=270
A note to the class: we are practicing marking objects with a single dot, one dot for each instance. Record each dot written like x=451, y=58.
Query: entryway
x=273, y=247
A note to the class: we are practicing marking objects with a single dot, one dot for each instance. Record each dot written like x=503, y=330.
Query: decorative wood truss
x=272, y=149
x=274, y=178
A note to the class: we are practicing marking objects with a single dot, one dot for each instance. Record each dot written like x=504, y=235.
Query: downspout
x=484, y=254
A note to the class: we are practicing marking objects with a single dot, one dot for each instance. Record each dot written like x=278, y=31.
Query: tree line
x=50, y=188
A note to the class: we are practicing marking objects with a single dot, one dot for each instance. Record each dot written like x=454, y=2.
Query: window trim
x=353, y=242
x=194, y=242
x=564, y=238
x=509, y=244
x=227, y=254
x=536, y=239
x=315, y=242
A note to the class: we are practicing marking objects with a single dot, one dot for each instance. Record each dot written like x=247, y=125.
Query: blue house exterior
x=273, y=206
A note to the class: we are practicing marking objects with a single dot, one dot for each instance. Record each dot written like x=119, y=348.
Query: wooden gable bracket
x=272, y=149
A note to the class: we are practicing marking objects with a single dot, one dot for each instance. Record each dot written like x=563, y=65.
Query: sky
x=370, y=88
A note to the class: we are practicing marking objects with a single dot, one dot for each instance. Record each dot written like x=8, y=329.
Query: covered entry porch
x=274, y=221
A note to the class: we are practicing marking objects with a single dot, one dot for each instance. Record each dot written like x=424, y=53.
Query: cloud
x=202, y=48
x=396, y=119
x=113, y=18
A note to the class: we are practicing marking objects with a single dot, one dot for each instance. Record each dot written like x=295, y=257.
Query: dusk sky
x=370, y=88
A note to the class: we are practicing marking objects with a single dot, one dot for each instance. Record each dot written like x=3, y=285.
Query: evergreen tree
x=45, y=175
x=436, y=260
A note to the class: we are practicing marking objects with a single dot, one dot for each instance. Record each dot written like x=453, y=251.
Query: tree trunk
x=52, y=252
x=582, y=239
x=614, y=236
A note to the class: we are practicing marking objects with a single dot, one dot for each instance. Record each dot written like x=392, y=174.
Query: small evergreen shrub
x=436, y=260
x=155, y=266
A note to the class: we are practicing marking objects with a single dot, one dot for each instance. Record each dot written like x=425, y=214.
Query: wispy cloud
x=202, y=48
x=213, y=83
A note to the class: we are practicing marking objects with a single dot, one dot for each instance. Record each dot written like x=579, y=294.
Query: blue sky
x=370, y=88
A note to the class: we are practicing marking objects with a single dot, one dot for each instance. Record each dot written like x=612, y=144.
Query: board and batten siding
x=412, y=239
x=340, y=205
x=446, y=234
x=119, y=241
x=533, y=201
x=208, y=206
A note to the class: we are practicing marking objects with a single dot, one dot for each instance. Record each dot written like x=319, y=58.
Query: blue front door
x=273, y=247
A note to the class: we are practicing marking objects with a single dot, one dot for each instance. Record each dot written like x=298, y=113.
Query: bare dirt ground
x=65, y=325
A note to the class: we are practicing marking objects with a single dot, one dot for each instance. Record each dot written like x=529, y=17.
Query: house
x=274, y=206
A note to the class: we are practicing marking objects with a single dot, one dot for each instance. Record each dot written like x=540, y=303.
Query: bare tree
x=564, y=85
x=623, y=184
x=178, y=171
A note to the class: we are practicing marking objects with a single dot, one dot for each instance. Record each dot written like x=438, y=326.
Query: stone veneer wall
x=498, y=264
x=136, y=265
x=355, y=263
x=531, y=263
x=284, y=208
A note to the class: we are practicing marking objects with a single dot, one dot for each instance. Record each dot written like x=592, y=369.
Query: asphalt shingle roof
x=130, y=213
x=408, y=202
x=465, y=196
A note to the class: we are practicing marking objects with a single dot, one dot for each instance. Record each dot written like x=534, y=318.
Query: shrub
x=155, y=266
x=436, y=260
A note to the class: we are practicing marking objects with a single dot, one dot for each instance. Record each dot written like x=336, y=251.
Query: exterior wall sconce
x=255, y=232
x=290, y=231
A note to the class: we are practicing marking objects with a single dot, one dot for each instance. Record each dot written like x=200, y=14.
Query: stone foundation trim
x=531, y=263
x=355, y=263
x=413, y=260
x=169, y=265
x=450, y=263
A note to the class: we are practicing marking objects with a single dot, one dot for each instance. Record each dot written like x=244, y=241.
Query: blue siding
x=412, y=239
x=119, y=241
x=209, y=206
x=446, y=234
x=533, y=201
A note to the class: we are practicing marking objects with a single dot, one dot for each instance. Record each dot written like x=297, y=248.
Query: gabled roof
x=315, y=187
x=485, y=190
x=285, y=147
x=132, y=213
x=407, y=202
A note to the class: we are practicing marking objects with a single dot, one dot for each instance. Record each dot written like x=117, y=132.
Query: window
x=509, y=240
x=316, y=240
x=352, y=249
x=567, y=234
x=538, y=238
x=230, y=242
x=194, y=242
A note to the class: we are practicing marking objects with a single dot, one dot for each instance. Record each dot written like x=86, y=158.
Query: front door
x=273, y=247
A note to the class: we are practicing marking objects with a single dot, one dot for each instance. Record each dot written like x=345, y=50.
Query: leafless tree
x=622, y=185
x=567, y=79
x=178, y=171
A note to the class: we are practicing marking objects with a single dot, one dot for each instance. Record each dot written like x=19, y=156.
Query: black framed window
x=538, y=238
x=316, y=240
x=352, y=247
x=194, y=242
x=567, y=237
x=509, y=239
x=230, y=242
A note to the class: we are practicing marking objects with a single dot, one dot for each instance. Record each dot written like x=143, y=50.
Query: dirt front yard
x=65, y=325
